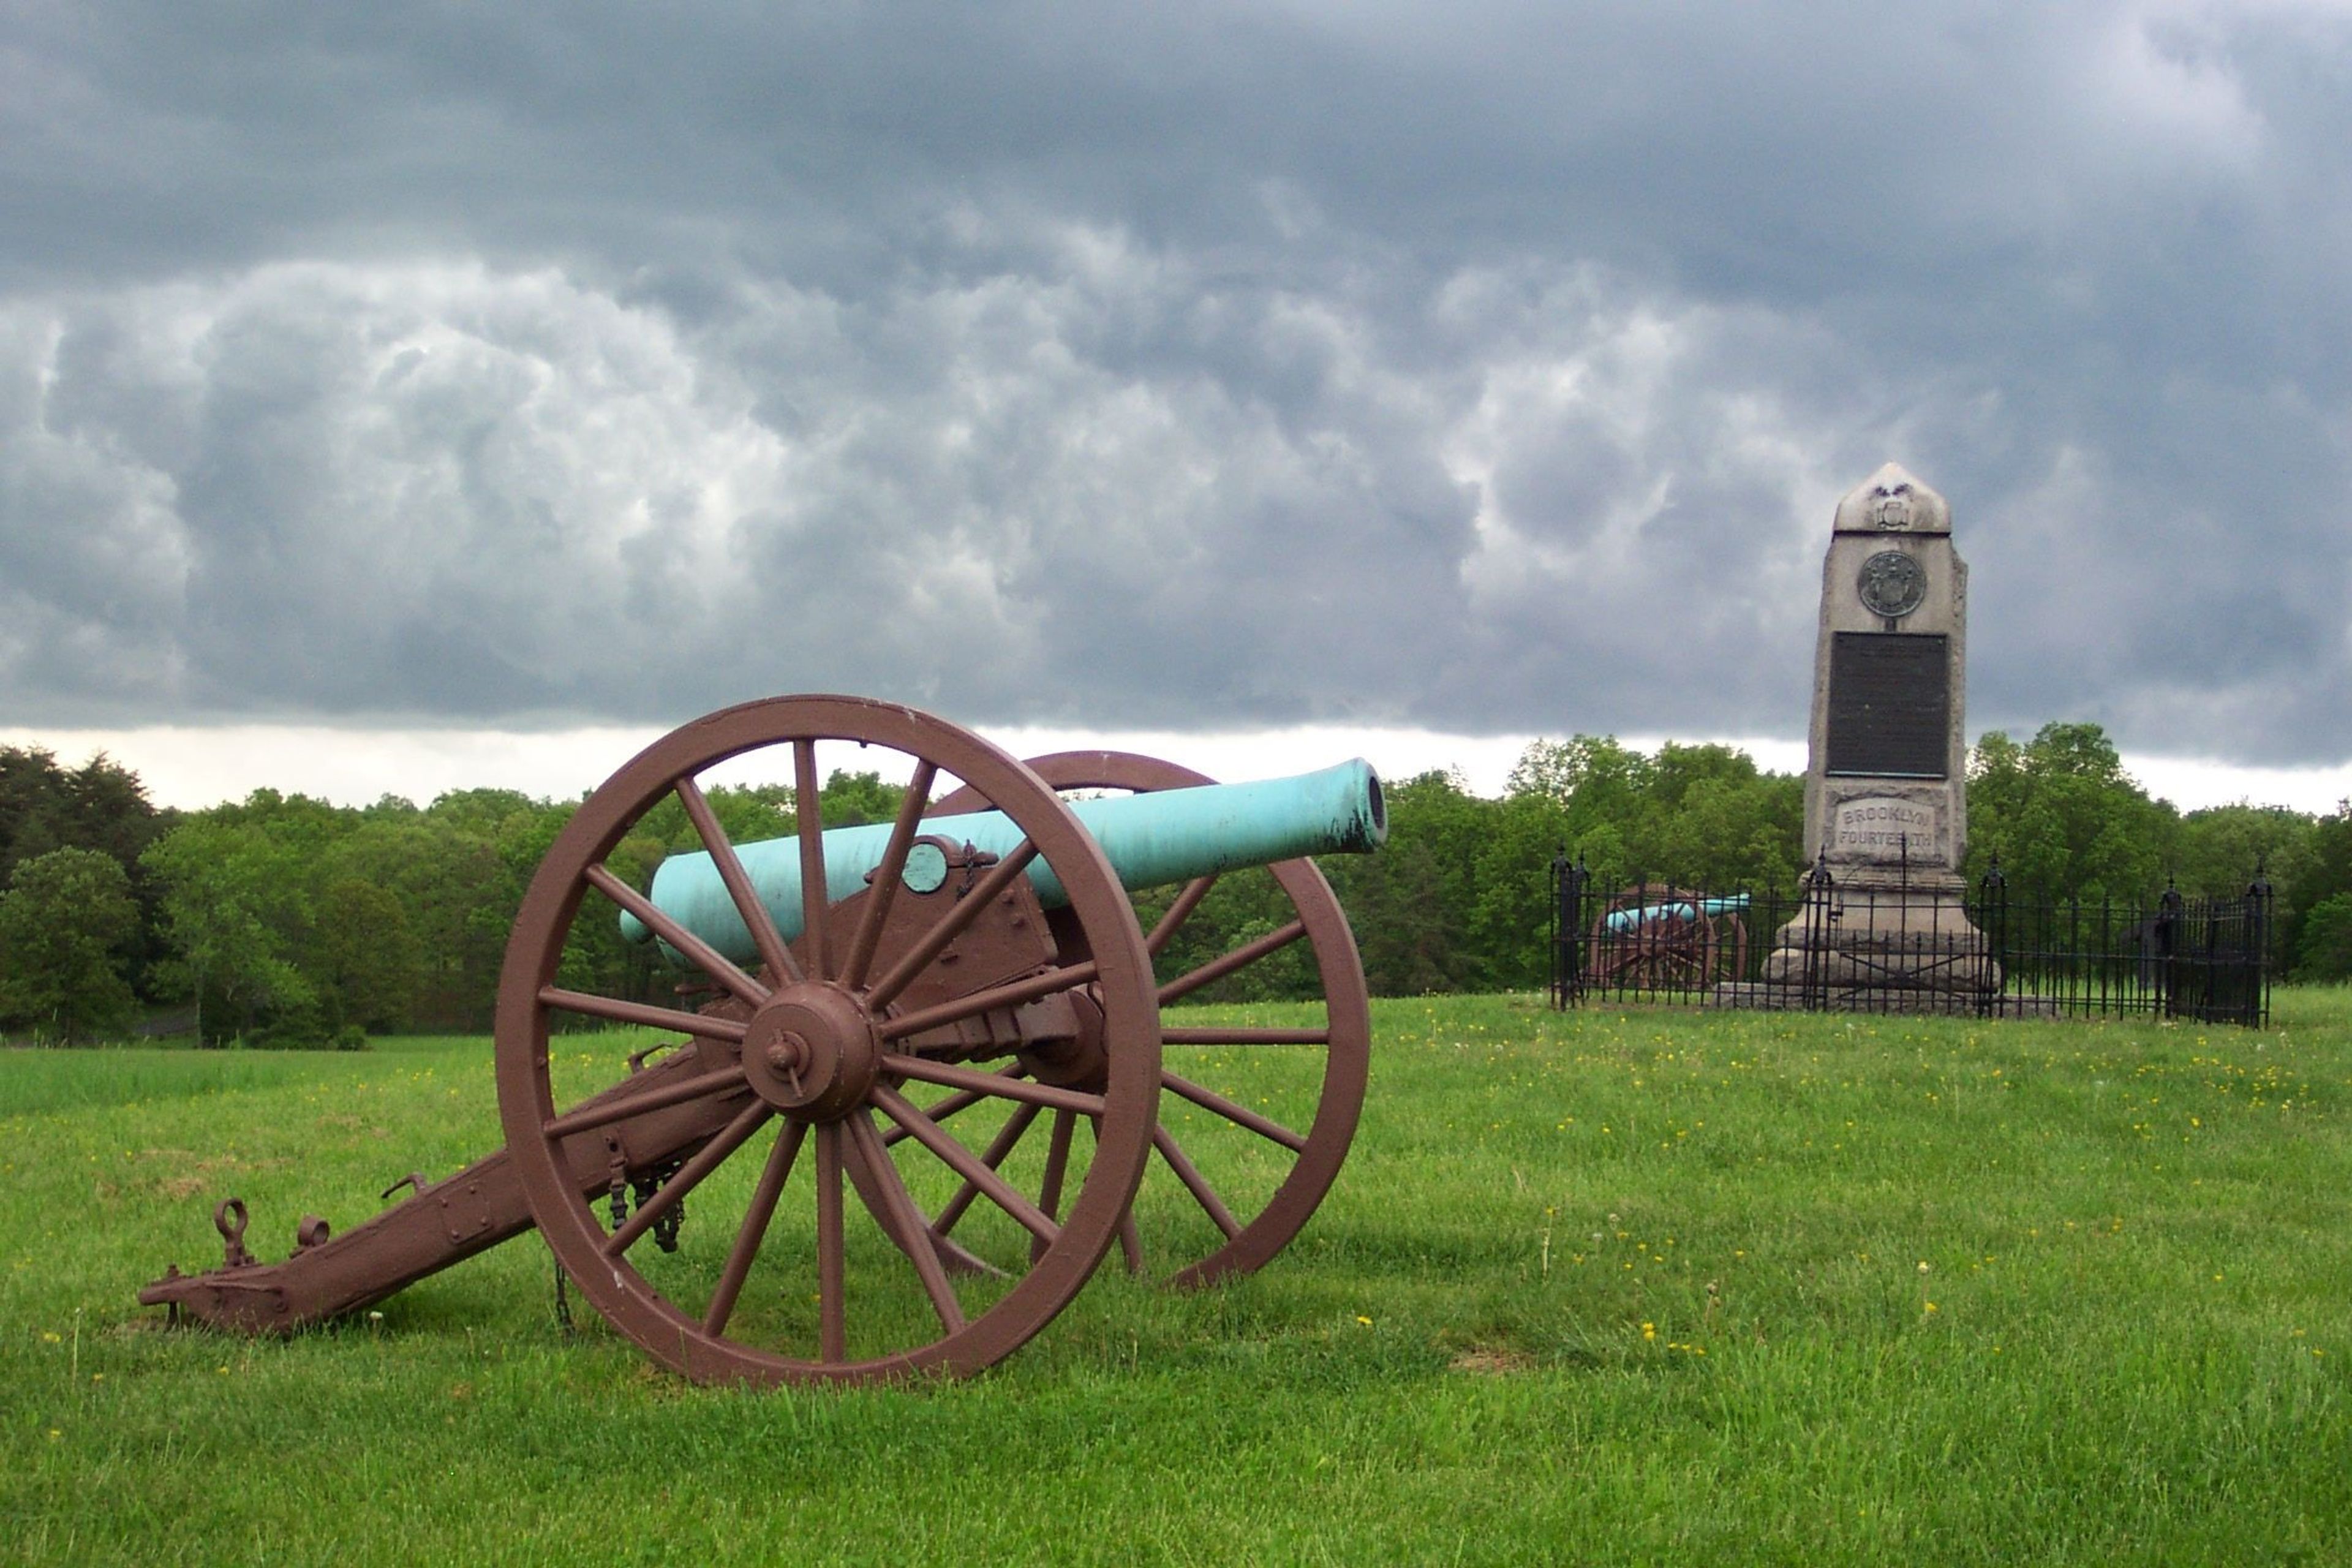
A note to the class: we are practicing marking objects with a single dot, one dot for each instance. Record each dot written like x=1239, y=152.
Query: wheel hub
x=811, y=1052
x=1082, y=1062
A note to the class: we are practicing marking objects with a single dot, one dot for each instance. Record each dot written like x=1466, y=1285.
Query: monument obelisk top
x=1892, y=501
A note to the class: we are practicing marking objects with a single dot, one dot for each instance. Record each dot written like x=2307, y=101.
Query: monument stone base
x=1881, y=943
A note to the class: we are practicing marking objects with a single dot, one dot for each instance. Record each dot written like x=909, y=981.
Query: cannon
x=1649, y=938
x=918, y=1015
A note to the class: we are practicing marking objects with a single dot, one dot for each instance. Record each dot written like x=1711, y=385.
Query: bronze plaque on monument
x=1889, y=704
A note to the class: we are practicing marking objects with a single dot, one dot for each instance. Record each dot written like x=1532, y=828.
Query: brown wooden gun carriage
x=867, y=1012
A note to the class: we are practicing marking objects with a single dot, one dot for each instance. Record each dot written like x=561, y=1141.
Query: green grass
x=1609, y=1286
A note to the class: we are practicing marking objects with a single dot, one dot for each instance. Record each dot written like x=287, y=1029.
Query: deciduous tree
x=2064, y=817
x=65, y=924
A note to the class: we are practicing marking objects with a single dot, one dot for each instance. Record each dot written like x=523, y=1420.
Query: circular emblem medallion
x=1891, y=583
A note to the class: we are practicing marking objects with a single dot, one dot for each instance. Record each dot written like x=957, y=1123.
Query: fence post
x=2258, y=942
x=2078, y=991
x=2166, y=937
x=1992, y=919
x=1567, y=925
x=1820, y=887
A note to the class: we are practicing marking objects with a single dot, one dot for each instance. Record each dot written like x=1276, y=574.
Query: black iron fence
x=1986, y=951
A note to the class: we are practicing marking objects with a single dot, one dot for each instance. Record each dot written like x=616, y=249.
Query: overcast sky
x=1481, y=369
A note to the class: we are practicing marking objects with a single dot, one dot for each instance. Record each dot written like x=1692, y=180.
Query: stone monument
x=1885, y=781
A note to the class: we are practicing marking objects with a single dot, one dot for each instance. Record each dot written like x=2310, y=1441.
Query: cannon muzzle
x=1151, y=841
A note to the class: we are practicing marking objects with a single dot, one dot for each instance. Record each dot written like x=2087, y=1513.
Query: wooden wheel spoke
x=990, y=1083
x=602, y=1112
x=697, y=951
x=778, y=959
x=1012, y=994
x=914, y=1232
x=1057, y=1166
x=1239, y=1115
x=1241, y=957
x=993, y=1156
x=1130, y=1237
x=976, y=1171
x=833, y=1335
x=1178, y=913
x=960, y=914
x=1058, y=1163
x=888, y=875
x=809, y=808
x=690, y=1175
x=1231, y=1037
x=867, y=1185
x=1194, y=1183
x=948, y=1105
x=1130, y=1242
x=651, y=1017
x=754, y=1229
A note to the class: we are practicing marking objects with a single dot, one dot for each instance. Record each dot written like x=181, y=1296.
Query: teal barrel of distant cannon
x=1620, y=922
x=1151, y=841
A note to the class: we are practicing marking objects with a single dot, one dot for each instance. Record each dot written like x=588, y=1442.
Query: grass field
x=1639, y=1287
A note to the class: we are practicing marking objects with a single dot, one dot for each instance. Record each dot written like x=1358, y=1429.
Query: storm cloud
x=1487, y=368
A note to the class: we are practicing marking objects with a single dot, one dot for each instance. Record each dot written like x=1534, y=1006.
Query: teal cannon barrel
x=1152, y=840
x=1623, y=920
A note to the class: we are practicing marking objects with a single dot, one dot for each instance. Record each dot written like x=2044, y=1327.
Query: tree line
x=282, y=920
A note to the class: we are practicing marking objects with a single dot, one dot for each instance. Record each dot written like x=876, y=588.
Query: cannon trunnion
x=951, y=1024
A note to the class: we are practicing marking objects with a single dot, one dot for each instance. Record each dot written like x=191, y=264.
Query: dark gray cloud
x=1483, y=367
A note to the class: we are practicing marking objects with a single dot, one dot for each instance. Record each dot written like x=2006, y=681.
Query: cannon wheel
x=1731, y=947
x=1345, y=1038
x=684, y=1323
x=1684, y=949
